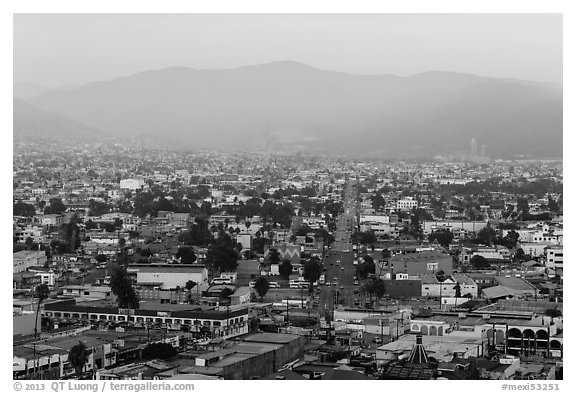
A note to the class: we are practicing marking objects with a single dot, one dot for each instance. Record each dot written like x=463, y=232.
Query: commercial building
x=167, y=276
x=229, y=322
x=255, y=355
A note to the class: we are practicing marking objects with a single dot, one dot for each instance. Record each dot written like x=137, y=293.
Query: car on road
x=328, y=284
x=341, y=286
x=356, y=282
x=342, y=268
x=378, y=340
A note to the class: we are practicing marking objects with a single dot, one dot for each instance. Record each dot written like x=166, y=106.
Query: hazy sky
x=60, y=49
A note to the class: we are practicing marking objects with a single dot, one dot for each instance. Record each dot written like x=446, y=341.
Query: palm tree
x=42, y=292
x=78, y=357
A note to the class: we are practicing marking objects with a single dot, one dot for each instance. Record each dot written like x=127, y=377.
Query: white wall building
x=131, y=184
x=167, y=276
x=407, y=203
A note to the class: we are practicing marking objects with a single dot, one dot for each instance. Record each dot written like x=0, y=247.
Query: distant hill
x=25, y=90
x=31, y=121
x=291, y=106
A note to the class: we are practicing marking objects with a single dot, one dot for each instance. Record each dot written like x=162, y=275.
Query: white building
x=407, y=203
x=131, y=184
x=555, y=259
x=167, y=276
x=245, y=239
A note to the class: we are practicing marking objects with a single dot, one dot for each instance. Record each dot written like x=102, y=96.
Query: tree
x=190, y=284
x=159, y=351
x=386, y=254
x=312, y=271
x=522, y=205
x=90, y=225
x=55, y=206
x=285, y=269
x=443, y=237
x=553, y=205
x=378, y=202
x=186, y=255
x=553, y=312
x=486, y=236
x=478, y=262
x=261, y=285
x=379, y=288
x=97, y=208
x=368, y=288
x=366, y=267
x=42, y=292
x=29, y=242
x=457, y=290
x=273, y=256
x=121, y=286
x=510, y=240
x=101, y=258
x=521, y=255
x=222, y=255
x=441, y=275
x=226, y=293
x=78, y=357
x=23, y=209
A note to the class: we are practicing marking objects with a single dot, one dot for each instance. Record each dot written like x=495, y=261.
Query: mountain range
x=288, y=106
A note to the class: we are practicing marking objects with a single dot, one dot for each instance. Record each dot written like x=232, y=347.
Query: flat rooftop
x=274, y=338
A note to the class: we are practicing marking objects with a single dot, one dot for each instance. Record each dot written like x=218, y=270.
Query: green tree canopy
x=24, y=209
x=121, y=286
x=285, y=269
x=274, y=256
x=186, y=255
x=443, y=237
x=78, y=357
x=366, y=267
x=312, y=270
x=159, y=351
x=262, y=285
x=222, y=254
x=190, y=284
x=55, y=206
x=478, y=262
x=41, y=292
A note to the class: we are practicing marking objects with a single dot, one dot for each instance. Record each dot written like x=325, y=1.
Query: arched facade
x=528, y=340
x=430, y=328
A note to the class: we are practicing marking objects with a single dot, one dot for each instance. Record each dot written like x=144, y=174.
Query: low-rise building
x=167, y=276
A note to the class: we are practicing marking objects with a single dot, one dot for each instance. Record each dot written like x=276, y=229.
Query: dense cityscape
x=133, y=262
